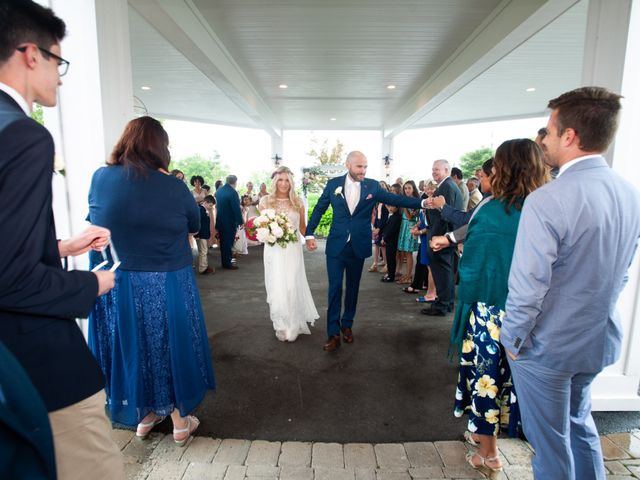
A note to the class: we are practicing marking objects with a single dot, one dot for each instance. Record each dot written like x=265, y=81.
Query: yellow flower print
x=467, y=346
x=486, y=388
x=472, y=319
x=494, y=330
x=504, y=415
x=491, y=416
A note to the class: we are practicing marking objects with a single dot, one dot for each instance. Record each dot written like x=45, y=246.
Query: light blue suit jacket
x=576, y=239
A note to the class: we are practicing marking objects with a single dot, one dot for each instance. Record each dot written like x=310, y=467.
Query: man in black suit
x=39, y=300
x=441, y=262
x=228, y=219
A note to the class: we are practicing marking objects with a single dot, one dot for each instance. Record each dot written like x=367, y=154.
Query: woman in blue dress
x=148, y=333
x=485, y=391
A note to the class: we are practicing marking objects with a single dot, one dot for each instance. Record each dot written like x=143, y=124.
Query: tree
x=211, y=169
x=471, y=161
x=37, y=114
x=326, y=163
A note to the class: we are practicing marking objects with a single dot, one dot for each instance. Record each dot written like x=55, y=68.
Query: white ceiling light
x=146, y=87
x=391, y=87
x=531, y=89
x=333, y=119
x=283, y=86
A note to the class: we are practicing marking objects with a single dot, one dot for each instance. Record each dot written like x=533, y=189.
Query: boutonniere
x=338, y=192
x=369, y=197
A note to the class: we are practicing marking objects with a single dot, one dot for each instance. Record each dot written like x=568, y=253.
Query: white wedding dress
x=290, y=302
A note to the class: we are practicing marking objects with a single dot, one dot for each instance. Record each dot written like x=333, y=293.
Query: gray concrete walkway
x=158, y=458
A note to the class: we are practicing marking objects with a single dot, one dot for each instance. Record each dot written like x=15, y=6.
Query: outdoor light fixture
x=283, y=86
x=277, y=160
x=145, y=87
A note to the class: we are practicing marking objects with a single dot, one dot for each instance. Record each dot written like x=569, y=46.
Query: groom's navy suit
x=349, y=242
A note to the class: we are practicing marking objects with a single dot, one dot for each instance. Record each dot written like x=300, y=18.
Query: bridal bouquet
x=271, y=227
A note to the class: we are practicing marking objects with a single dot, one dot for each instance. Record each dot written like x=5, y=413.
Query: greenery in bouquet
x=273, y=228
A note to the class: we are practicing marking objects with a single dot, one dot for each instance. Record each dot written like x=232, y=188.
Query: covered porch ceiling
x=450, y=61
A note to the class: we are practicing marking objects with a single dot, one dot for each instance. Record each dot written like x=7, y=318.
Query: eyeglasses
x=63, y=65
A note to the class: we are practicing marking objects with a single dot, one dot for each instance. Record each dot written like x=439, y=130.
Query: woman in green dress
x=485, y=391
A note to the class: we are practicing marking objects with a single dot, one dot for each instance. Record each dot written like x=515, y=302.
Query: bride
x=290, y=302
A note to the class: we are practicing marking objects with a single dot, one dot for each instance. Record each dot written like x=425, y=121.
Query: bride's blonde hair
x=293, y=197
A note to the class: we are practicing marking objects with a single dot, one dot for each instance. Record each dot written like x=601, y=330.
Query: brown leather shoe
x=333, y=343
x=347, y=335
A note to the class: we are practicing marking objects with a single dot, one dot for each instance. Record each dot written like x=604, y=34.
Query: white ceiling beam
x=512, y=23
x=182, y=25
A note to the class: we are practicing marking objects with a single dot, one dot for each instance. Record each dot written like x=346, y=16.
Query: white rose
x=261, y=220
x=271, y=238
x=269, y=213
x=277, y=231
x=262, y=234
x=273, y=225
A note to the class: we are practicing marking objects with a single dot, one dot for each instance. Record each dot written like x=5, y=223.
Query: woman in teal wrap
x=484, y=389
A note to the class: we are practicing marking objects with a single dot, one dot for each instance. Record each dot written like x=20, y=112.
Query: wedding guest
x=456, y=175
x=240, y=243
x=206, y=189
x=422, y=277
x=228, y=219
x=380, y=215
x=484, y=390
x=203, y=237
x=254, y=198
x=407, y=243
x=39, y=299
x=389, y=234
x=198, y=193
x=178, y=174
x=263, y=190
x=577, y=239
x=217, y=186
x=149, y=334
x=475, y=197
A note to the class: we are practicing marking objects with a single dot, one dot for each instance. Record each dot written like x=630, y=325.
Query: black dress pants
x=441, y=264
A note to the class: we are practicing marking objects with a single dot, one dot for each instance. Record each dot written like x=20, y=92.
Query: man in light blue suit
x=352, y=198
x=576, y=239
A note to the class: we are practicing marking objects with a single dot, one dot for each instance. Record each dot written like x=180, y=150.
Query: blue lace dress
x=148, y=335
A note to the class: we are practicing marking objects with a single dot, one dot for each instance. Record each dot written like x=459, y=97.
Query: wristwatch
x=449, y=236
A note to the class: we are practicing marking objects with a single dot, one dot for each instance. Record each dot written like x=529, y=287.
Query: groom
x=352, y=197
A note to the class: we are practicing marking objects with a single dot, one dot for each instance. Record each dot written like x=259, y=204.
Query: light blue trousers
x=556, y=418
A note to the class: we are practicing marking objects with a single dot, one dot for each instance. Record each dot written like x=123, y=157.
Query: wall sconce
x=387, y=165
x=277, y=160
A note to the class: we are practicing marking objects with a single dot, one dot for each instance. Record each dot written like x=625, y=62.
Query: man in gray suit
x=576, y=239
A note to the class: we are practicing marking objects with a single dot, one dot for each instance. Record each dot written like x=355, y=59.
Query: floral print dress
x=485, y=391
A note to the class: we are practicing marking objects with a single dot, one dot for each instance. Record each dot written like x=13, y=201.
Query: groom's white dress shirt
x=352, y=190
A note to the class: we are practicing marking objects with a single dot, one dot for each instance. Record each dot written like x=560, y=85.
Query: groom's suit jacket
x=358, y=225
x=39, y=300
x=576, y=239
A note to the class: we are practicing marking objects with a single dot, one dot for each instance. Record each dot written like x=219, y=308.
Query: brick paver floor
x=158, y=458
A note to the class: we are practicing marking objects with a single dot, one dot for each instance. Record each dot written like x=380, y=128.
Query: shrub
x=325, y=222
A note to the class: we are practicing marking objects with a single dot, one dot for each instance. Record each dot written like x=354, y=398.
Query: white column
x=96, y=98
x=612, y=48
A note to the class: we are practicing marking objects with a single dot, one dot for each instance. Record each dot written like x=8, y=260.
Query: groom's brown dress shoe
x=333, y=343
x=347, y=335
